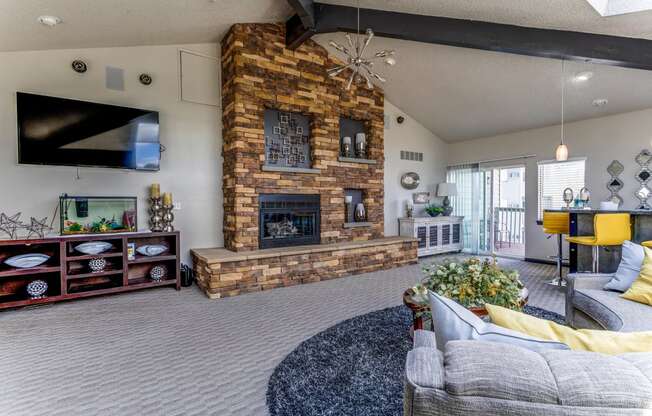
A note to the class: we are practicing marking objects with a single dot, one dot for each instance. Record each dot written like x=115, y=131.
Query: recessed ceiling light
x=583, y=76
x=600, y=102
x=50, y=21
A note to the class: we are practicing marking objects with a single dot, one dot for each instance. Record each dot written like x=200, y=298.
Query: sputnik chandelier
x=361, y=66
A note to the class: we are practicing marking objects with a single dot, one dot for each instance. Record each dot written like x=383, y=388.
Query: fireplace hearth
x=288, y=220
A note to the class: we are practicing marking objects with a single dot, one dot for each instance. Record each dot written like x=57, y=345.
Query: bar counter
x=581, y=224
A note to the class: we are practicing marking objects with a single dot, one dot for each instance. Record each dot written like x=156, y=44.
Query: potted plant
x=434, y=210
x=472, y=283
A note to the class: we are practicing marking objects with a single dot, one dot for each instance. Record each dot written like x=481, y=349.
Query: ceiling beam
x=301, y=26
x=547, y=43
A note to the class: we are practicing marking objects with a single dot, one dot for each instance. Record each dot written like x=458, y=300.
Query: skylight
x=617, y=7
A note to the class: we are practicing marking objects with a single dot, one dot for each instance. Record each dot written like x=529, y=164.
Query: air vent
x=414, y=156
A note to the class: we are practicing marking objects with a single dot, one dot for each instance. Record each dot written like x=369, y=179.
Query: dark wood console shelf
x=67, y=272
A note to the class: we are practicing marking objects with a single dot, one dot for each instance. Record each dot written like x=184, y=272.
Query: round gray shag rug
x=354, y=368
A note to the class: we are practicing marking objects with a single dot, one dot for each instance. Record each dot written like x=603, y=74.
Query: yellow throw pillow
x=606, y=342
x=641, y=289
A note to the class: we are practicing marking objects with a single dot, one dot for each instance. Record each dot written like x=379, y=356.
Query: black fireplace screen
x=288, y=220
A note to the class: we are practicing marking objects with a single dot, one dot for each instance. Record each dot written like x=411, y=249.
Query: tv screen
x=59, y=131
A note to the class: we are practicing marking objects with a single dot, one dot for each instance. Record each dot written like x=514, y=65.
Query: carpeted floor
x=162, y=352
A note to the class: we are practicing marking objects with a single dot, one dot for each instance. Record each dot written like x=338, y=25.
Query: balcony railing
x=509, y=227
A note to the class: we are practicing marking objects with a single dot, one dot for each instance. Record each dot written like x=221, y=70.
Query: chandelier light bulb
x=390, y=61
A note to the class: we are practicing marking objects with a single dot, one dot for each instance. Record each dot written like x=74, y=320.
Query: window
x=554, y=177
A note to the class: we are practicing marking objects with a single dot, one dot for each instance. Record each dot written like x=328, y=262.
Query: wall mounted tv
x=59, y=131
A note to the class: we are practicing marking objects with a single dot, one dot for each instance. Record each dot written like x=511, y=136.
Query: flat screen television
x=60, y=131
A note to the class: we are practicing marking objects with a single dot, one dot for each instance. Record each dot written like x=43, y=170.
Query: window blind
x=554, y=177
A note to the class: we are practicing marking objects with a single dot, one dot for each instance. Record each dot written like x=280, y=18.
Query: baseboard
x=545, y=261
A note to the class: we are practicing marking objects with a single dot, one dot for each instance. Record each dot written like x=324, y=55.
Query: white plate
x=25, y=261
x=94, y=247
x=150, y=250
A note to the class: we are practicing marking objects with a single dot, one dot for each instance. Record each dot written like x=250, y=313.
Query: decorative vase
x=158, y=272
x=37, y=289
x=360, y=213
x=97, y=265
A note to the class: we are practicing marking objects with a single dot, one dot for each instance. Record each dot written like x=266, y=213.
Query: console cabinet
x=436, y=235
x=67, y=272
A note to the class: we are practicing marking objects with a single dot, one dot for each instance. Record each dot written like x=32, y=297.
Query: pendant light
x=561, y=154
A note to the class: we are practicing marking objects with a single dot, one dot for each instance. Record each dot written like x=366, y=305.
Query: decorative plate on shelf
x=25, y=261
x=410, y=180
x=151, y=250
x=94, y=248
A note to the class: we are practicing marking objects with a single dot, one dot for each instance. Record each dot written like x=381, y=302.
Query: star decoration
x=9, y=225
x=38, y=227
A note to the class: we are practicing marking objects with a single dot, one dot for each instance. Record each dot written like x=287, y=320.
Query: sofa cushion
x=499, y=371
x=453, y=322
x=641, y=289
x=613, y=312
x=595, y=380
x=629, y=267
x=606, y=342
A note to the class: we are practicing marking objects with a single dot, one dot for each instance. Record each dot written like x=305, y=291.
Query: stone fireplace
x=285, y=180
x=288, y=220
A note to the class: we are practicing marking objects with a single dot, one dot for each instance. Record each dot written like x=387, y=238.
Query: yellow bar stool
x=557, y=223
x=608, y=230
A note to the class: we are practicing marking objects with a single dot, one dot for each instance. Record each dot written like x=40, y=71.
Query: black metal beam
x=301, y=26
x=557, y=44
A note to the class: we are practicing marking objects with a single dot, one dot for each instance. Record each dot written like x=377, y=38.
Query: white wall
x=191, y=167
x=600, y=140
x=414, y=137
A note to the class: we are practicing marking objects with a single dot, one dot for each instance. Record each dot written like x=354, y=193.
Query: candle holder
x=155, y=215
x=168, y=218
x=361, y=146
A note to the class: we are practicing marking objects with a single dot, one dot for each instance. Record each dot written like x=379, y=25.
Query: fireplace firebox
x=288, y=220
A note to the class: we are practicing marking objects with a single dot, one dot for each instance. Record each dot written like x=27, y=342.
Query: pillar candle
x=167, y=198
x=155, y=190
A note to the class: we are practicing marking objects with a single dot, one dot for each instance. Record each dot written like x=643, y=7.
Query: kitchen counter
x=581, y=224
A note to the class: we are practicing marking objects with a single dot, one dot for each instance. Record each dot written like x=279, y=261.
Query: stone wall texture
x=220, y=275
x=258, y=72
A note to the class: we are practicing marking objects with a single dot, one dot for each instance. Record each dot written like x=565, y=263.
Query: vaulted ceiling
x=457, y=93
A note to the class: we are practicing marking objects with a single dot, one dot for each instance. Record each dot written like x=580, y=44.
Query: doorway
x=505, y=211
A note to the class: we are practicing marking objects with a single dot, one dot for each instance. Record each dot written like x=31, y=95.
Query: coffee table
x=420, y=306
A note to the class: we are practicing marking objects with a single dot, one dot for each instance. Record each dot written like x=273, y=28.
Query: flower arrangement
x=473, y=282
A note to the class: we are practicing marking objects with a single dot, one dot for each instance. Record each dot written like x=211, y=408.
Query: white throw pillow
x=628, y=269
x=454, y=322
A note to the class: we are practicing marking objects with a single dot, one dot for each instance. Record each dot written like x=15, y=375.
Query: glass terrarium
x=97, y=214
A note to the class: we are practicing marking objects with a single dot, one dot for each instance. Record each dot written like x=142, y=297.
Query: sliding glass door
x=491, y=199
x=470, y=203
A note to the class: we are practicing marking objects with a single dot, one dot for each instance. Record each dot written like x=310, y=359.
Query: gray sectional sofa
x=478, y=378
x=589, y=306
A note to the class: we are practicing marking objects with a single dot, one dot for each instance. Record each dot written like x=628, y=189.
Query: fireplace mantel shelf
x=271, y=168
x=356, y=160
x=356, y=224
